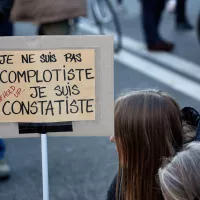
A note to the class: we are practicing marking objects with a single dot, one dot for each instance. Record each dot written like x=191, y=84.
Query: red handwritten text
x=9, y=91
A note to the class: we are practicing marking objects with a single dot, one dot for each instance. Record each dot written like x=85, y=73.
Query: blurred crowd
x=53, y=17
x=152, y=11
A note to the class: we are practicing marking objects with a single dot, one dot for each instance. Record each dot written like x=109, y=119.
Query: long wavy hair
x=148, y=127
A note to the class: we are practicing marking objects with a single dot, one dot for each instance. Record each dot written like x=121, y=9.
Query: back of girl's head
x=147, y=128
x=180, y=179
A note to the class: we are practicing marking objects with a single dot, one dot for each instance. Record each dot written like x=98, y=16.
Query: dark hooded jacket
x=5, y=9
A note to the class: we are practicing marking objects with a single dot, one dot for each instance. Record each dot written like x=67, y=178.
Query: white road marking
x=173, y=80
x=172, y=61
x=165, y=76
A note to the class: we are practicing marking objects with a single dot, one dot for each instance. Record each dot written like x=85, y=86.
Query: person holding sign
x=6, y=29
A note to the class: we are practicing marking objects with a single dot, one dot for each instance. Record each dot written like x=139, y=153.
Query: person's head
x=180, y=178
x=147, y=127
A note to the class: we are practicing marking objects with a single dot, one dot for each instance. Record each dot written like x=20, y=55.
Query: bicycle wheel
x=198, y=27
x=108, y=19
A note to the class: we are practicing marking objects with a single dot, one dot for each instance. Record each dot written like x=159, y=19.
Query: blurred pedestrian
x=179, y=7
x=52, y=16
x=4, y=167
x=6, y=29
x=147, y=127
x=180, y=177
x=151, y=16
x=182, y=21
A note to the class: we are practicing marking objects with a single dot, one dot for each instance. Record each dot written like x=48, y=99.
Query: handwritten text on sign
x=47, y=85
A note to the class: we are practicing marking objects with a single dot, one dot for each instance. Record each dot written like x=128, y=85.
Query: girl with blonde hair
x=180, y=178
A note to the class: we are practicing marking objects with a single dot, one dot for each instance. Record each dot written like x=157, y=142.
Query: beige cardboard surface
x=103, y=125
x=47, y=85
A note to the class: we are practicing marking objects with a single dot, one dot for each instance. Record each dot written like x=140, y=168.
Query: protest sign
x=47, y=85
x=60, y=81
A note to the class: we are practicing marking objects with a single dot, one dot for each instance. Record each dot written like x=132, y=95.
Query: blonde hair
x=180, y=178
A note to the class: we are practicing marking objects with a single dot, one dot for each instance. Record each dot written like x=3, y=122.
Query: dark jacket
x=192, y=117
x=5, y=9
x=112, y=189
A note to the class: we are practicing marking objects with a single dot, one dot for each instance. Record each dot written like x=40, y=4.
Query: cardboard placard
x=100, y=58
x=47, y=85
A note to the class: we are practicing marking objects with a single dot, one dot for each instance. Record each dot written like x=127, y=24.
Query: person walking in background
x=179, y=7
x=182, y=21
x=6, y=29
x=52, y=16
x=4, y=167
x=180, y=177
x=151, y=16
